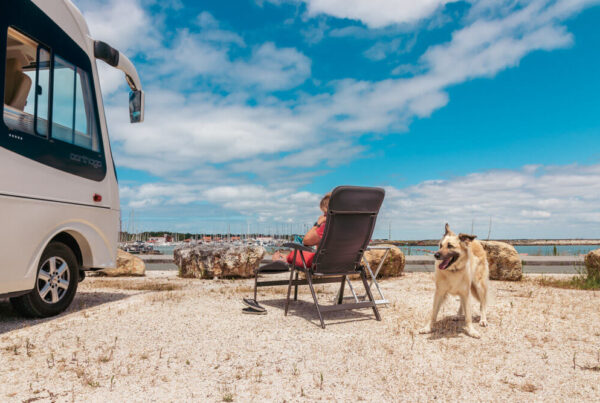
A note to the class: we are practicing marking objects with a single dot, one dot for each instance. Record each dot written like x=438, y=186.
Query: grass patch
x=587, y=278
x=137, y=285
x=578, y=282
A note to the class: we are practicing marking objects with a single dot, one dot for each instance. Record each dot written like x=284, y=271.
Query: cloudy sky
x=465, y=112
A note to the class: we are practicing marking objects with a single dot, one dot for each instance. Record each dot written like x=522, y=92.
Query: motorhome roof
x=69, y=18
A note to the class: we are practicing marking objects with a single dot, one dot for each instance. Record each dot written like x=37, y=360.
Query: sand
x=169, y=339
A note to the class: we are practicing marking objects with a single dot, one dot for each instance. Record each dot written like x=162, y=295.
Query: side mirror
x=136, y=106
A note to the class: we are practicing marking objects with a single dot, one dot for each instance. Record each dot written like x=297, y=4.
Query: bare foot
x=426, y=329
x=279, y=256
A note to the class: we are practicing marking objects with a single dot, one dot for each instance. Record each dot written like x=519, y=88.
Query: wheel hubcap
x=53, y=280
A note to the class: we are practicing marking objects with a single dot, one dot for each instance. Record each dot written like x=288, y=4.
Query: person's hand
x=321, y=220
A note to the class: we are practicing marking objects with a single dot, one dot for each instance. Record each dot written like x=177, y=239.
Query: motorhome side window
x=72, y=114
x=27, y=91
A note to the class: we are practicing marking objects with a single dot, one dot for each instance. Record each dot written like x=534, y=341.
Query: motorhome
x=59, y=198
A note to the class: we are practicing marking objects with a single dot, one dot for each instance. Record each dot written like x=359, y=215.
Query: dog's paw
x=483, y=323
x=425, y=330
x=473, y=333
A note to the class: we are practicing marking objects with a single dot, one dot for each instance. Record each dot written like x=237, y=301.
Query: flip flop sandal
x=253, y=311
x=252, y=303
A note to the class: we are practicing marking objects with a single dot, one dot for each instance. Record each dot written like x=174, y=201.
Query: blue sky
x=463, y=111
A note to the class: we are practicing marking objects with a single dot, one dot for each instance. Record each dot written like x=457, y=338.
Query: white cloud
x=376, y=13
x=556, y=201
x=541, y=202
x=382, y=49
x=206, y=55
x=123, y=24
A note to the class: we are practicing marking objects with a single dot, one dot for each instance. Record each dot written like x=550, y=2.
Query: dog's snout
x=437, y=255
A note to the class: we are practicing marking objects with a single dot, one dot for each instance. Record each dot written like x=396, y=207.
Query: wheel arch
x=87, y=242
x=79, y=247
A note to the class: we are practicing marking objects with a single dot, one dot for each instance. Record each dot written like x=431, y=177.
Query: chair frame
x=312, y=278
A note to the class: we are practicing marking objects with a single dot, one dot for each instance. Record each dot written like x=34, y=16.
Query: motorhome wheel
x=56, y=283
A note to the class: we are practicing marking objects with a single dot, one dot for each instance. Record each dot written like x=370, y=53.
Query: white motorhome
x=59, y=200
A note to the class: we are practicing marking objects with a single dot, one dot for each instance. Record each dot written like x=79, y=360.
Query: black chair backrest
x=350, y=222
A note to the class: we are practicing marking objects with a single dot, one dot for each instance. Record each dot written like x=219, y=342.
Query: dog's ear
x=448, y=230
x=466, y=238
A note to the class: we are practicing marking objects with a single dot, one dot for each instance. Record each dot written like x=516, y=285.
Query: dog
x=461, y=268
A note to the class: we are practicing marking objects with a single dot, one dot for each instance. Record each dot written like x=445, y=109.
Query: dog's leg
x=468, y=318
x=438, y=298
x=461, y=311
x=483, y=299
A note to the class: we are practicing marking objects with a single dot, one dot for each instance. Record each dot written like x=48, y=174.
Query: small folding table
x=373, y=276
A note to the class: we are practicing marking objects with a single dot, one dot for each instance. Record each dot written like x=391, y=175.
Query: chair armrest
x=297, y=246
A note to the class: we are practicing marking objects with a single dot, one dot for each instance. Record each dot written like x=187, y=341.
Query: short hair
x=325, y=202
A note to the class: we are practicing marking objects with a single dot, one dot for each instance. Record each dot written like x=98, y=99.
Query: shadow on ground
x=11, y=320
x=452, y=327
x=308, y=311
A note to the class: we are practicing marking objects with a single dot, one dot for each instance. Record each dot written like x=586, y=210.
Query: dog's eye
x=450, y=246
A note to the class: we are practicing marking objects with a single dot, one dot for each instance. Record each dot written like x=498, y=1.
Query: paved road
x=531, y=264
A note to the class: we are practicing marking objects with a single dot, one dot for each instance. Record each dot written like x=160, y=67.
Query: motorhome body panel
x=28, y=226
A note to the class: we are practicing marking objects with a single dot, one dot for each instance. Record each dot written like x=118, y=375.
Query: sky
x=483, y=114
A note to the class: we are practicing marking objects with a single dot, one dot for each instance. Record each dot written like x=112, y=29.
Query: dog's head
x=452, y=248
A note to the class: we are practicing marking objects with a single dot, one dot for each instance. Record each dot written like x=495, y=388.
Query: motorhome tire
x=55, y=286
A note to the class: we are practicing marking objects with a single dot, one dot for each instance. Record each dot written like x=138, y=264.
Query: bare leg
x=438, y=298
x=468, y=317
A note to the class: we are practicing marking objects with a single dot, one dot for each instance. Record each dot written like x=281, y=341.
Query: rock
x=592, y=263
x=127, y=265
x=393, y=265
x=504, y=261
x=210, y=260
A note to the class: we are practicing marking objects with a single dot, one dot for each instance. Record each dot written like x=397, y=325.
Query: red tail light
x=97, y=198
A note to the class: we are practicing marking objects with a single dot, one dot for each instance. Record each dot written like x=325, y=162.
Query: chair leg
x=255, y=282
x=287, y=300
x=312, y=291
x=369, y=294
x=296, y=289
x=341, y=292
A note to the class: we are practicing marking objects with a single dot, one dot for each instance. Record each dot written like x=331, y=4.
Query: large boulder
x=393, y=264
x=218, y=260
x=127, y=265
x=504, y=261
x=592, y=263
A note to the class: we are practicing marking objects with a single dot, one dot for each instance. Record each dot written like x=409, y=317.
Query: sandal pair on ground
x=253, y=307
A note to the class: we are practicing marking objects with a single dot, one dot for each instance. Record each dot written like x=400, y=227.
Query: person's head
x=325, y=203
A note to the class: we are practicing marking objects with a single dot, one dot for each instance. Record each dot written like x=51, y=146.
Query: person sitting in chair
x=313, y=236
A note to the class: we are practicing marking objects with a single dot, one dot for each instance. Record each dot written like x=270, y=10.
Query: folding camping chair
x=350, y=222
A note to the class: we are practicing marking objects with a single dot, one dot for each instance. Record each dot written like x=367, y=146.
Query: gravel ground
x=162, y=338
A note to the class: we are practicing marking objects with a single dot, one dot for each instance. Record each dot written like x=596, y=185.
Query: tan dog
x=461, y=268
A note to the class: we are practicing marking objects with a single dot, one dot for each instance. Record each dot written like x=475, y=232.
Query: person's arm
x=312, y=238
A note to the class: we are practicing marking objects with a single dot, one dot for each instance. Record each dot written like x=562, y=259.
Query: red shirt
x=308, y=256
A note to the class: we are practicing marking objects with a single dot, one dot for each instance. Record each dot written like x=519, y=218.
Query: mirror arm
x=113, y=57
